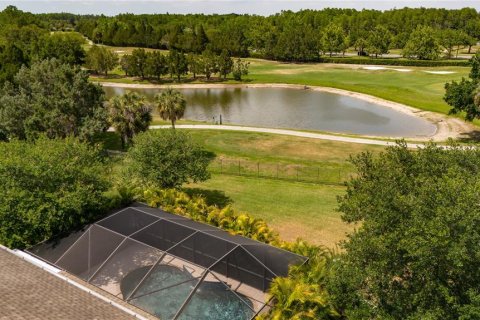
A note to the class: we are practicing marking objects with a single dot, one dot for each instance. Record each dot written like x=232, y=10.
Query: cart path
x=294, y=133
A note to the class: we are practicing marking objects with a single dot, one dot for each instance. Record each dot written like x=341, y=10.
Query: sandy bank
x=447, y=127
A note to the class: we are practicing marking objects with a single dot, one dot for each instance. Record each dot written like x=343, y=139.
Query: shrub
x=196, y=208
x=48, y=188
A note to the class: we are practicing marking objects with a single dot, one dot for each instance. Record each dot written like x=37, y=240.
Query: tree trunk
x=173, y=123
x=122, y=139
x=470, y=49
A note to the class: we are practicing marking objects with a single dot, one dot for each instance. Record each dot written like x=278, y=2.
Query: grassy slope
x=294, y=209
x=417, y=88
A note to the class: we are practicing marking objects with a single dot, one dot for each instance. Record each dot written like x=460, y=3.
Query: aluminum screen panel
x=170, y=266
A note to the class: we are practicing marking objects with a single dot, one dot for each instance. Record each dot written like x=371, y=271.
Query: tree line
x=292, y=36
x=176, y=64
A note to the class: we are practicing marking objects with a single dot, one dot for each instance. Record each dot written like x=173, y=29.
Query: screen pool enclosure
x=170, y=266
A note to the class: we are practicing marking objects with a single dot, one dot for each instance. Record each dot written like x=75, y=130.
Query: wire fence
x=291, y=172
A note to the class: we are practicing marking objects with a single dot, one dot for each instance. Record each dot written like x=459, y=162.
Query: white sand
x=439, y=72
x=375, y=68
x=403, y=70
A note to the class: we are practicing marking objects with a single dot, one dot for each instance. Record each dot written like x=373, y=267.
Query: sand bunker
x=384, y=68
x=440, y=72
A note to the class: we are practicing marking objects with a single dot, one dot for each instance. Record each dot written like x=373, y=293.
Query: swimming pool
x=165, y=290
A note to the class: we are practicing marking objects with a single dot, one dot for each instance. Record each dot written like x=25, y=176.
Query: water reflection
x=296, y=109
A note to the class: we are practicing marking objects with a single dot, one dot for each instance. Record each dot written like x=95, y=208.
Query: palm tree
x=170, y=104
x=129, y=114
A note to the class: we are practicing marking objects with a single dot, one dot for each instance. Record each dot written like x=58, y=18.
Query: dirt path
x=447, y=127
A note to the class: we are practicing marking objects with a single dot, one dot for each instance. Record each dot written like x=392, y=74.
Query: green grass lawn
x=416, y=88
x=294, y=209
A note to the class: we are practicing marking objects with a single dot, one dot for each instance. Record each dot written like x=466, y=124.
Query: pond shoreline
x=447, y=127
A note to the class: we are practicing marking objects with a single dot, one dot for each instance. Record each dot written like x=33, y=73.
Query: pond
x=295, y=109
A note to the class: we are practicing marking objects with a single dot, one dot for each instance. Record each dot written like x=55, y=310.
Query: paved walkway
x=288, y=133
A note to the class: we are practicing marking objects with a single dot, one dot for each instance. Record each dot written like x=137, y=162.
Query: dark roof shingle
x=28, y=292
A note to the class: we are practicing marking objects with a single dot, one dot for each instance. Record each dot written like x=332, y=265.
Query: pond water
x=295, y=109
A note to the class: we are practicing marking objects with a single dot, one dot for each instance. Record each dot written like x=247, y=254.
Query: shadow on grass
x=470, y=137
x=212, y=197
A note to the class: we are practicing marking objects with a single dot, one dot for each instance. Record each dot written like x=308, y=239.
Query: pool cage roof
x=170, y=266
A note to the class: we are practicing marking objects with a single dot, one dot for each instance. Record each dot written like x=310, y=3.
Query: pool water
x=167, y=287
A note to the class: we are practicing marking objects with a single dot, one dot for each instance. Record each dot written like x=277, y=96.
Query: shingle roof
x=28, y=292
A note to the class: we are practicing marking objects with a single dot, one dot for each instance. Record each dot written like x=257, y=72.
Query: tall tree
x=209, y=63
x=129, y=114
x=450, y=38
x=200, y=40
x=170, y=105
x=101, y=59
x=195, y=65
x=334, y=39
x=139, y=62
x=157, y=64
x=378, y=41
x=225, y=64
x=414, y=252
x=422, y=44
x=127, y=64
x=178, y=64
x=52, y=98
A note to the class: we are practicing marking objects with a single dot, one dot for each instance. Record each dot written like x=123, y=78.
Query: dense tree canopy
x=51, y=98
x=291, y=36
x=166, y=158
x=415, y=252
x=48, y=187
